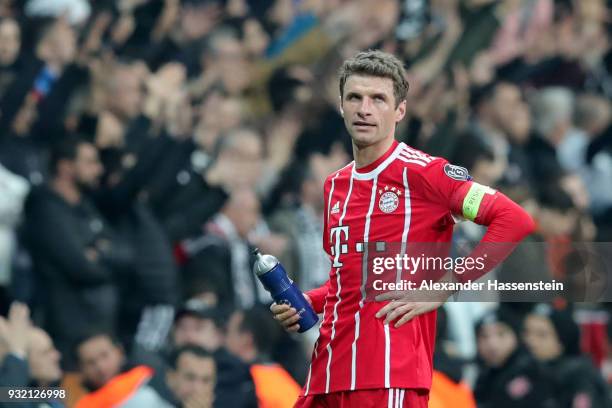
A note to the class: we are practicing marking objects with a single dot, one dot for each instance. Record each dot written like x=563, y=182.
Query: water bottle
x=274, y=278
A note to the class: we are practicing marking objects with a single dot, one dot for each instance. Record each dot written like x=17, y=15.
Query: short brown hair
x=379, y=64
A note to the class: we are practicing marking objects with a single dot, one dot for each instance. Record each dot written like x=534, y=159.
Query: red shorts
x=375, y=398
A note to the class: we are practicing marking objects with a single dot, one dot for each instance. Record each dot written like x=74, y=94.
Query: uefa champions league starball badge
x=389, y=199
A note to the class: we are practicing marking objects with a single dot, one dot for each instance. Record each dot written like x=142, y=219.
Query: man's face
x=496, y=342
x=247, y=155
x=541, y=338
x=193, y=376
x=235, y=338
x=245, y=212
x=369, y=111
x=59, y=44
x=43, y=358
x=125, y=96
x=191, y=330
x=232, y=64
x=506, y=101
x=87, y=166
x=10, y=42
x=100, y=360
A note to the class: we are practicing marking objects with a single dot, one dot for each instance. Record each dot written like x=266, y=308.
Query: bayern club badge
x=389, y=199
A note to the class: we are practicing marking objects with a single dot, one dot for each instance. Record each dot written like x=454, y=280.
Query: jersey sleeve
x=317, y=297
x=452, y=188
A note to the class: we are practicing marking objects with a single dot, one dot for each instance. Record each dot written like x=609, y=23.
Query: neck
x=368, y=154
x=67, y=190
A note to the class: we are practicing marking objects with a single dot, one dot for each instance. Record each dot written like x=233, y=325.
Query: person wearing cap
x=553, y=337
x=508, y=375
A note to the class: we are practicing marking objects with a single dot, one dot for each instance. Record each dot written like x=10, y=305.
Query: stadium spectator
x=77, y=271
x=225, y=253
x=300, y=220
x=109, y=377
x=192, y=377
x=28, y=357
x=200, y=325
x=14, y=331
x=251, y=338
x=509, y=376
x=553, y=337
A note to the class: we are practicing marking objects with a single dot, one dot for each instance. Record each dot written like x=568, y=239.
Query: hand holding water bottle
x=287, y=316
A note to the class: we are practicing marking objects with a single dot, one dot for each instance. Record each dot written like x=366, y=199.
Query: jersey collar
x=373, y=169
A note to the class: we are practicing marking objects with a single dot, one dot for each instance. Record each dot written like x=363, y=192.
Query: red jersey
x=404, y=196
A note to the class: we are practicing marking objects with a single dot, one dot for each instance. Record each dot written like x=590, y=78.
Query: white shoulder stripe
x=416, y=155
x=414, y=161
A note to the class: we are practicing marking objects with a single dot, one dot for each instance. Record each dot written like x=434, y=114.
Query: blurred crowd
x=147, y=147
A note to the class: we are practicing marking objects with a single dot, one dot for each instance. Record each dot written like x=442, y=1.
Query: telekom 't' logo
x=338, y=237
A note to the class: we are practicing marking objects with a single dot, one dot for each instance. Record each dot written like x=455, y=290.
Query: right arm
x=286, y=315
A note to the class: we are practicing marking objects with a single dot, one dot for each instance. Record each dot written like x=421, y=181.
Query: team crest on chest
x=389, y=199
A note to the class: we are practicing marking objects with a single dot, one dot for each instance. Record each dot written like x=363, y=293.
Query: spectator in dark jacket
x=509, y=376
x=76, y=253
x=554, y=339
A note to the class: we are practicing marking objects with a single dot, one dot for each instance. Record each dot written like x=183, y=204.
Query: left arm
x=507, y=223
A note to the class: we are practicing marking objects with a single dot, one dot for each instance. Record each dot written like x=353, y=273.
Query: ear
x=340, y=106
x=400, y=111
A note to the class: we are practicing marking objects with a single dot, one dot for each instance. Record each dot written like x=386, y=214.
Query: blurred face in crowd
x=506, y=100
x=237, y=342
x=541, y=338
x=369, y=109
x=487, y=171
x=194, y=375
x=282, y=12
x=10, y=41
x=125, y=96
x=43, y=358
x=197, y=331
x=496, y=342
x=482, y=69
x=553, y=222
x=59, y=45
x=87, y=166
x=256, y=40
x=218, y=114
x=245, y=154
x=232, y=64
x=519, y=124
x=100, y=360
x=243, y=210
